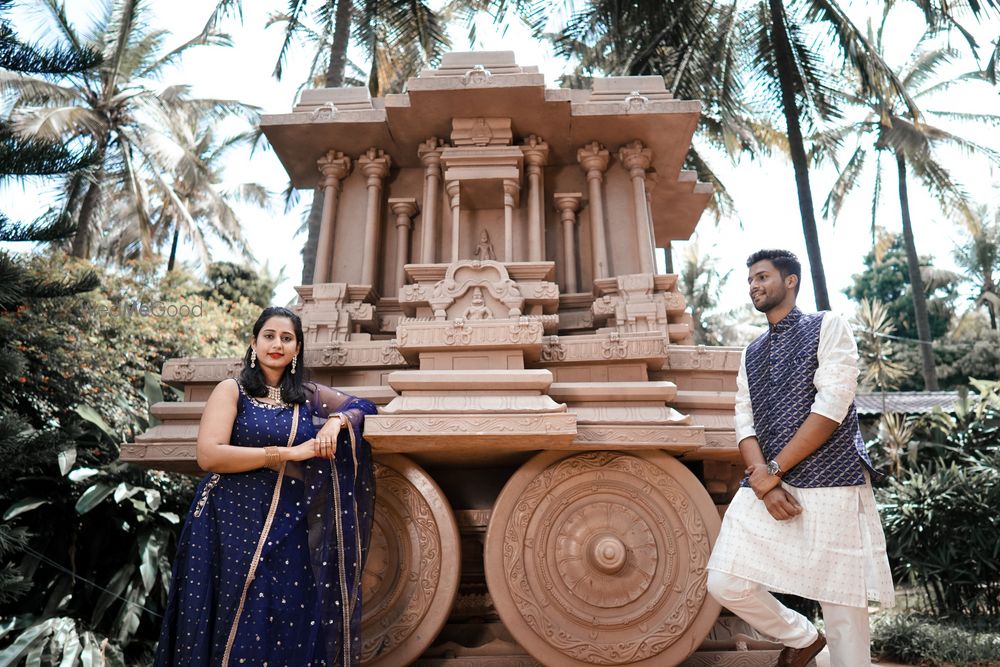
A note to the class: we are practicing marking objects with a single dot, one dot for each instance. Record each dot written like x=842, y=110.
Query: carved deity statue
x=478, y=309
x=484, y=250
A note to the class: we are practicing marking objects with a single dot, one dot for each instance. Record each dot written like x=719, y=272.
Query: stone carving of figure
x=484, y=250
x=478, y=309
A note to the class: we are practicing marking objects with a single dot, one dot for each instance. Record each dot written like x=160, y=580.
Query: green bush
x=86, y=542
x=940, y=514
x=924, y=641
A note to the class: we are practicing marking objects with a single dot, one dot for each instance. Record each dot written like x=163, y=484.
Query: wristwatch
x=774, y=469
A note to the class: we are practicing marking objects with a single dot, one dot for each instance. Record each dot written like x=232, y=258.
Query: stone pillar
x=430, y=156
x=404, y=209
x=536, y=153
x=454, y=201
x=568, y=203
x=651, y=178
x=374, y=164
x=335, y=167
x=593, y=158
x=510, y=189
x=637, y=158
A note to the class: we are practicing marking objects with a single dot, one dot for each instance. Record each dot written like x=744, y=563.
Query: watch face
x=772, y=468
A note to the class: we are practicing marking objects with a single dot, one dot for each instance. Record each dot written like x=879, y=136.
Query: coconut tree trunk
x=173, y=248
x=81, y=240
x=338, y=48
x=800, y=164
x=334, y=79
x=916, y=283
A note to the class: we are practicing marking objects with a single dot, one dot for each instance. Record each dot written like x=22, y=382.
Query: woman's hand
x=311, y=448
x=331, y=428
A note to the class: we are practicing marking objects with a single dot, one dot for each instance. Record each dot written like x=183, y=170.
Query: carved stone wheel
x=411, y=575
x=599, y=558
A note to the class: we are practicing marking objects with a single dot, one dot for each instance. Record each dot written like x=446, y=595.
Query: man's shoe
x=800, y=657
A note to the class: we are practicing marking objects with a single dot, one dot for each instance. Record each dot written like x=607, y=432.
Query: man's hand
x=781, y=505
x=760, y=480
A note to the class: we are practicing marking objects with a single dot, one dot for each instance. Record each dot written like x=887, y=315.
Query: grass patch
x=924, y=641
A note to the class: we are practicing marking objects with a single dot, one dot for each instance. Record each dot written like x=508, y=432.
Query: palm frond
x=875, y=76
x=966, y=117
x=223, y=9
x=124, y=18
x=34, y=91
x=847, y=180
x=950, y=196
x=157, y=65
x=293, y=23
x=57, y=10
x=57, y=123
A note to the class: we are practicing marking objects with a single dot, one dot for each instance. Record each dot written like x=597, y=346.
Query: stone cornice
x=650, y=347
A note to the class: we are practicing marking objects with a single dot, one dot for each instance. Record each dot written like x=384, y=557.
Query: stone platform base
x=731, y=643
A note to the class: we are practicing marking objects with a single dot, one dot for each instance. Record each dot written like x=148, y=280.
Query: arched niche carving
x=468, y=282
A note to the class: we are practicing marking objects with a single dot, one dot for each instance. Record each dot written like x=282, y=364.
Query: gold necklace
x=274, y=393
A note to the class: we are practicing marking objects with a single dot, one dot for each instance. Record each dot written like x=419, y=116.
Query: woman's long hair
x=252, y=379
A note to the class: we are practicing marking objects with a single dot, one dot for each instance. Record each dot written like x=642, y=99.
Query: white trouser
x=847, y=632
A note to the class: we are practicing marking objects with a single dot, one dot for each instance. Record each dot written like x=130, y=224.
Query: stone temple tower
x=552, y=452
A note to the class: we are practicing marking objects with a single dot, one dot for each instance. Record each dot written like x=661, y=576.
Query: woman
x=268, y=568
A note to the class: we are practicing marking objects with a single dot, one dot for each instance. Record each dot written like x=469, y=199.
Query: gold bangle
x=272, y=457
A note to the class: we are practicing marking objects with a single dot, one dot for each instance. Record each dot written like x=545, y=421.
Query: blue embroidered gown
x=303, y=604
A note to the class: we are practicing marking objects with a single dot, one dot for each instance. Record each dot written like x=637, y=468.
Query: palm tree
x=188, y=199
x=765, y=47
x=696, y=47
x=398, y=37
x=893, y=126
x=980, y=257
x=110, y=109
x=700, y=281
x=713, y=53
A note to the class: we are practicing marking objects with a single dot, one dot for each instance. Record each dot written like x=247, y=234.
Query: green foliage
x=700, y=281
x=97, y=347
x=232, y=282
x=887, y=279
x=923, y=641
x=876, y=347
x=972, y=350
x=940, y=518
x=59, y=640
x=21, y=157
x=128, y=126
x=979, y=255
x=89, y=539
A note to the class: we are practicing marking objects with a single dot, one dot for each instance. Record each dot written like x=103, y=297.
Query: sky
x=764, y=191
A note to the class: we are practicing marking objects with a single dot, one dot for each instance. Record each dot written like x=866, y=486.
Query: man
x=804, y=521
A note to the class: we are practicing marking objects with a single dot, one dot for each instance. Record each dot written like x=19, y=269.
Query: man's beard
x=769, y=302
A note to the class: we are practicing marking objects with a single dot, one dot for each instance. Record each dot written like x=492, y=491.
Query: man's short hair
x=784, y=260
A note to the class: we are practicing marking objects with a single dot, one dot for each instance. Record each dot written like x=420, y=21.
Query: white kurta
x=834, y=551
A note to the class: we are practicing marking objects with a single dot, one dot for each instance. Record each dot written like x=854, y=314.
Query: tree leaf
x=67, y=459
x=91, y=656
x=93, y=497
x=94, y=417
x=81, y=474
x=23, y=505
x=26, y=642
x=115, y=587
